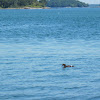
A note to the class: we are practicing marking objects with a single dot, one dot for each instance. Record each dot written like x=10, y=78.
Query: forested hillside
x=41, y=3
x=21, y=3
x=65, y=3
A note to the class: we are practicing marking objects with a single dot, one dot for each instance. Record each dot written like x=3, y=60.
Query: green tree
x=42, y=2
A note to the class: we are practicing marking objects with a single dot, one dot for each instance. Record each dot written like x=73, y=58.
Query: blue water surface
x=34, y=43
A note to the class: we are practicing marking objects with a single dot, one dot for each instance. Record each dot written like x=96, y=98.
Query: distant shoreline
x=48, y=7
x=28, y=8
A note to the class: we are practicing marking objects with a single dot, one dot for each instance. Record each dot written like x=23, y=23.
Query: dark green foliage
x=21, y=3
x=65, y=3
x=6, y=3
x=43, y=2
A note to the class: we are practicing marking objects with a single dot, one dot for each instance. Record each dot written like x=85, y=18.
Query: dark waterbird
x=67, y=65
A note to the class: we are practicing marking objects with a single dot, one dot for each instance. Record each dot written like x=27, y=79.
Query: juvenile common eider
x=67, y=65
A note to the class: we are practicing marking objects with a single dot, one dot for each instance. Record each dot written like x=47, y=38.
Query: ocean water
x=35, y=43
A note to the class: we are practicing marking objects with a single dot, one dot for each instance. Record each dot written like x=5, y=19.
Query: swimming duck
x=67, y=65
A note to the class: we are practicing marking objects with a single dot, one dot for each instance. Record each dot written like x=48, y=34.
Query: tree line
x=66, y=3
x=41, y=3
x=22, y=3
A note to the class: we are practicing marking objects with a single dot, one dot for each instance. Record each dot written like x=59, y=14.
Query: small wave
x=94, y=98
